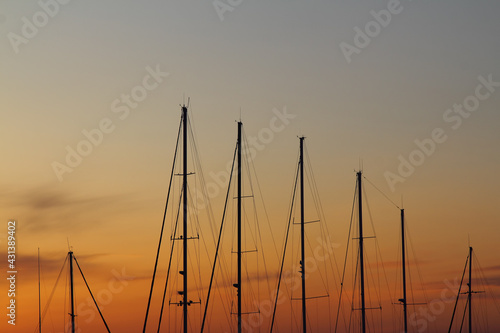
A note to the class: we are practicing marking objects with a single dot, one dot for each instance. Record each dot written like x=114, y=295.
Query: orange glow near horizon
x=120, y=280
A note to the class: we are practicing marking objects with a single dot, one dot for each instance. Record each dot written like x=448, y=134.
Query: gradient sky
x=261, y=58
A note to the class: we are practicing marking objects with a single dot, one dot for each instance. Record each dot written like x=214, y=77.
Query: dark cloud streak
x=50, y=209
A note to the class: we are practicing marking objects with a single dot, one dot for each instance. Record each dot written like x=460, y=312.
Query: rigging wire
x=206, y=196
x=284, y=248
x=408, y=236
x=251, y=167
x=218, y=243
x=169, y=265
x=66, y=301
x=53, y=290
x=37, y=328
x=485, y=283
x=458, y=294
x=379, y=253
x=88, y=287
x=410, y=279
x=198, y=164
x=381, y=192
x=345, y=261
x=323, y=229
x=415, y=259
x=162, y=228
x=355, y=272
x=195, y=227
x=398, y=285
x=261, y=197
x=464, y=315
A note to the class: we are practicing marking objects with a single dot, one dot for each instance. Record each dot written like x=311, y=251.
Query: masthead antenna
x=360, y=164
x=184, y=103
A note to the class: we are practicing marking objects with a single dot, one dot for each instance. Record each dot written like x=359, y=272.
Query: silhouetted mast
x=302, y=242
x=470, y=289
x=469, y=295
x=239, y=227
x=361, y=264
x=72, y=314
x=302, y=271
x=184, y=224
x=403, y=259
x=39, y=297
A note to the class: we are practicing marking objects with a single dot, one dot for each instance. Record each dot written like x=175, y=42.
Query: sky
x=408, y=91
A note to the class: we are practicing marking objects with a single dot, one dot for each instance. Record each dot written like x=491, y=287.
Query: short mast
x=361, y=263
x=403, y=260
x=184, y=223
x=302, y=242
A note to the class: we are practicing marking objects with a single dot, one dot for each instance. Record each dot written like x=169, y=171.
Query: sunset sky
x=409, y=91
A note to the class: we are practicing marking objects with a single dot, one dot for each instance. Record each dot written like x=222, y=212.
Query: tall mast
x=72, y=314
x=239, y=227
x=403, y=260
x=184, y=224
x=302, y=243
x=361, y=264
x=470, y=289
x=39, y=297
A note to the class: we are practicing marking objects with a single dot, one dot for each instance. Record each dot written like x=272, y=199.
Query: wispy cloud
x=51, y=263
x=493, y=281
x=47, y=208
x=492, y=268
